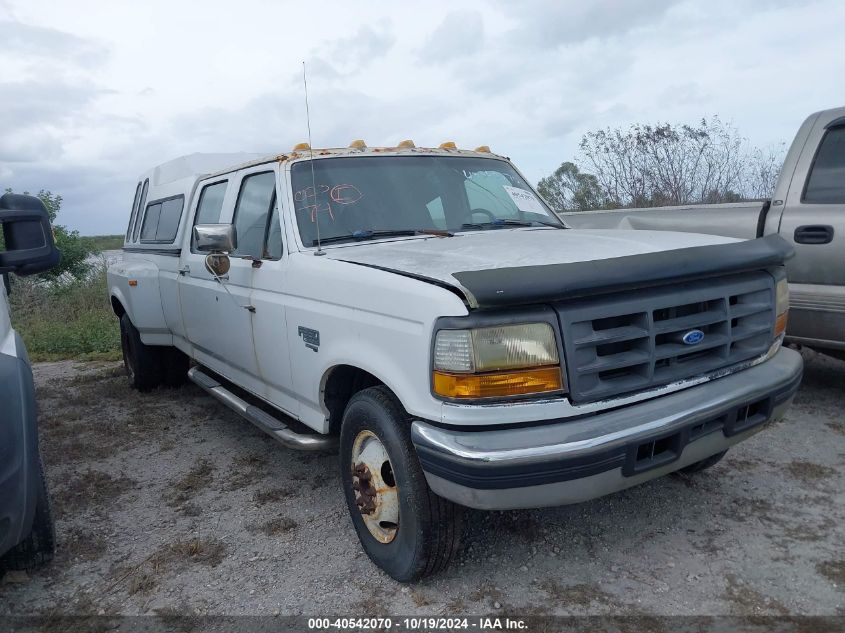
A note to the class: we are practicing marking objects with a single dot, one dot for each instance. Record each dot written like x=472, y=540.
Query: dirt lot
x=167, y=502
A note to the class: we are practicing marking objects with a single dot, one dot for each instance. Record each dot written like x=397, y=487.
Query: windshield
x=368, y=196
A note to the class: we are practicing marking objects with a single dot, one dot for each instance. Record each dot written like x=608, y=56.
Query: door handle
x=186, y=270
x=814, y=234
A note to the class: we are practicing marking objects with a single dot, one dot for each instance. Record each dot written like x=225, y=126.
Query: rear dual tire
x=405, y=529
x=148, y=366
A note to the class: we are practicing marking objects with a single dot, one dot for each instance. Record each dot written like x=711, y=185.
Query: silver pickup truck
x=807, y=209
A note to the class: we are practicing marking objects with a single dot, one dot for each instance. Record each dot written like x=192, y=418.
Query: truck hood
x=526, y=265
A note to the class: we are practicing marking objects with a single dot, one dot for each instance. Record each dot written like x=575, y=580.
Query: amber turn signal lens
x=498, y=384
x=780, y=323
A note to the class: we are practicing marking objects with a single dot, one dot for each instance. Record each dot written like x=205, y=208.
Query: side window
x=210, y=206
x=141, y=205
x=161, y=221
x=134, y=214
x=255, y=201
x=826, y=182
x=168, y=221
x=148, y=231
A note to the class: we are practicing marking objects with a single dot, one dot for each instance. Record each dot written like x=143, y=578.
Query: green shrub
x=68, y=319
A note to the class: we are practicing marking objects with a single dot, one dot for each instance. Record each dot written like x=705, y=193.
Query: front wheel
x=142, y=362
x=405, y=529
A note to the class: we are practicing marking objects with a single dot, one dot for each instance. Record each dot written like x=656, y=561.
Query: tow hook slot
x=749, y=416
x=654, y=453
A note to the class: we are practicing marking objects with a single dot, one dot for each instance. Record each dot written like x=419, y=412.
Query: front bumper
x=562, y=462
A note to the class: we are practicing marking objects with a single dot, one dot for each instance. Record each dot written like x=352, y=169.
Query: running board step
x=263, y=420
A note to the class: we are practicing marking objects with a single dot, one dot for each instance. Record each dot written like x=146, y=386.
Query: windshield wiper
x=372, y=235
x=504, y=222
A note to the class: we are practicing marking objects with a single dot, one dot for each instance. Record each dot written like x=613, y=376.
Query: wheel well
x=117, y=307
x=343, y=382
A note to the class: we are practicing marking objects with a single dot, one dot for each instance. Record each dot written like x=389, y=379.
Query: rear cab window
x=161, y=221
x=141, y=205
x=134, y=214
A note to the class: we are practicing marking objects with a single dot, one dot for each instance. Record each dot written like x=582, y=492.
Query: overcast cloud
x=94, y=92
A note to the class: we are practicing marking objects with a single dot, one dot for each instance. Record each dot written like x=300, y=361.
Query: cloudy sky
x=92, y=92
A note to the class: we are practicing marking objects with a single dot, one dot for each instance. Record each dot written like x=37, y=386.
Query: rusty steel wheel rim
x=376, y=493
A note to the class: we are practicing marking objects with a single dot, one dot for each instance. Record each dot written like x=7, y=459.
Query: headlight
x=781, y=306
x=509, y=360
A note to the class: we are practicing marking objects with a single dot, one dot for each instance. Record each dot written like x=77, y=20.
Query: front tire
x=405, y=529
x=142, y=362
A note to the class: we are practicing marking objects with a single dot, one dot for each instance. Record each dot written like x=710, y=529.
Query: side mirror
x=29, y=246
x=215, y=238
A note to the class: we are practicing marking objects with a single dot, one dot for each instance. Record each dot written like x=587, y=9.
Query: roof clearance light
x=358, y=144
x=407, y=144
x=483, y=148
x=448, y=145
x=299, y=147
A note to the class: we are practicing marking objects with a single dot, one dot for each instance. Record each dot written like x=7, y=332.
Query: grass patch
x=192, y=483
x=67, y=319
x=205, y=551
x=246, y=471
x=579, y=595
x=271, y=495
x=97, y=243
x=275, y=527
x=142, y=582
x=92, y=488
x=833, y=570
x=77, y=543
x=809, y=472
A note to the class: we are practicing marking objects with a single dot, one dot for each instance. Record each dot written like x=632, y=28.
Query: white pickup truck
x=426, y=311
x=807, y=209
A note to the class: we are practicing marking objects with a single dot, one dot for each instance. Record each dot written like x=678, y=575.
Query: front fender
x=136, y=285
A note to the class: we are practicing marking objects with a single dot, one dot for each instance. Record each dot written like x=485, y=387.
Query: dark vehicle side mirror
x=29, y=246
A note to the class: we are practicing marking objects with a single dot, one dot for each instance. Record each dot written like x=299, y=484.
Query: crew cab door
x=217, y=317
x=271, y=300
x=813, y=220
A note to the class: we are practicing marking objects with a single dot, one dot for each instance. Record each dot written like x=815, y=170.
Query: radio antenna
x=319, y=250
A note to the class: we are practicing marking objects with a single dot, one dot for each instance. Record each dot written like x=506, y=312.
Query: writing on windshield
x=313, y=201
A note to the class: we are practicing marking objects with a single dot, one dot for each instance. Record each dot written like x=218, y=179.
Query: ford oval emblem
x=693, y=337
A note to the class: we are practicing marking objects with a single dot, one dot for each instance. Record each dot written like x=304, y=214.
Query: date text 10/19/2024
x=418, y=624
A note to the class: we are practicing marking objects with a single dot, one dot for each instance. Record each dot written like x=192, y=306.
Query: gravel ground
x=166, y=503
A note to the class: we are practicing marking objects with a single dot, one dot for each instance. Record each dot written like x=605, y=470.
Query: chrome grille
x=634, y=341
